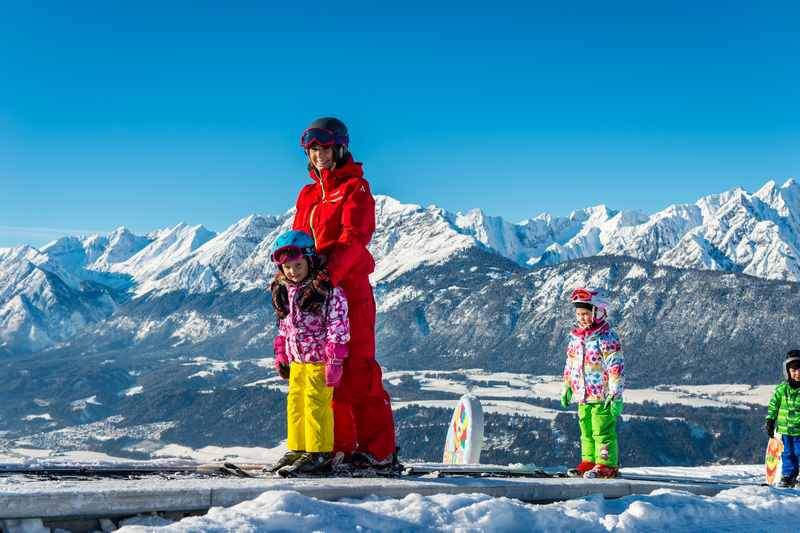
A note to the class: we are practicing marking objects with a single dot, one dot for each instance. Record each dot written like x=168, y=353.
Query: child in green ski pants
x=594, y=374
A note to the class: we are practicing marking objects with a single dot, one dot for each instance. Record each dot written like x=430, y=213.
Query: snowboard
x=465, y=433
x=772, y=459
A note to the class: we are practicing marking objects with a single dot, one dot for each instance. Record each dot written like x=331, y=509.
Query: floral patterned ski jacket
x=314, y=338
x=595, y=365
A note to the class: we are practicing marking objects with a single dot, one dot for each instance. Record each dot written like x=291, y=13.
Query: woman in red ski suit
x=338, y=209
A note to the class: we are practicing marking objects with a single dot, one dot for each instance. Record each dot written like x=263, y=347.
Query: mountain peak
x=767, y=191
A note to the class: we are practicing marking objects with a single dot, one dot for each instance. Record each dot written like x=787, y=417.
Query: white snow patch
x=215, y=453
x=636, y=272
x=82, y=404
x=45, y=416
x=493, y=385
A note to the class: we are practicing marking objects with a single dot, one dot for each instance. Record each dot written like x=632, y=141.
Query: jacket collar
x=331, y=178
x=599, y=327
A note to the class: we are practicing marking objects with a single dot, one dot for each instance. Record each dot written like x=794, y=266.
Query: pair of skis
x=261, y=471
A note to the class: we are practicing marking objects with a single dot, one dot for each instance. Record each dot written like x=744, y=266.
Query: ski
x=347, y=473
x=123, y=472
x=691, y=480
x=476, y=470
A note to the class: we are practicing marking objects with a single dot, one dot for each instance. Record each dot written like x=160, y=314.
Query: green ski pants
x=598, y=434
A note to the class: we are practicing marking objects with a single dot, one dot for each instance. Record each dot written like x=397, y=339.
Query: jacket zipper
x=311, y=216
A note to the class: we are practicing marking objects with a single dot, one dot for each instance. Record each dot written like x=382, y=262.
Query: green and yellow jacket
x=784, y=408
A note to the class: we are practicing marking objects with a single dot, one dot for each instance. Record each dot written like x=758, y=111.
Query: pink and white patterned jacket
x=310, y=338
x=595, y=368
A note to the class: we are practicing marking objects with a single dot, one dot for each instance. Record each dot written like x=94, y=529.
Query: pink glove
x=335, y=352
x=281, y=358
x=333, y=373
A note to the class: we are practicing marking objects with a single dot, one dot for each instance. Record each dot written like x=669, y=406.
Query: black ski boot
x=787, y=482
x=288, y=459
x=310, y=463
x=367, y=464
x=367, y=460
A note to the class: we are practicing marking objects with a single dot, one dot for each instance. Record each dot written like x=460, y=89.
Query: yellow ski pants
x=309, y=410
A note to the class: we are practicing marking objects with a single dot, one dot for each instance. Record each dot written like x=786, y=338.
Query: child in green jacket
x=783, y=416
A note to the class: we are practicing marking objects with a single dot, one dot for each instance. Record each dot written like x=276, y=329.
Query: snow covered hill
x=756, y=234
x=38, y=308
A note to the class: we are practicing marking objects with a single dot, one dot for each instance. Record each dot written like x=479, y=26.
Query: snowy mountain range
x=735, y=231
x=89, y=284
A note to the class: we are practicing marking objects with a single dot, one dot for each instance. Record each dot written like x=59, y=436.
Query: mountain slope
x=734, y=231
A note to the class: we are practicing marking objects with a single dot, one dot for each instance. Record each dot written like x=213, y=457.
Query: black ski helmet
x=792, y=360
x=339, y=130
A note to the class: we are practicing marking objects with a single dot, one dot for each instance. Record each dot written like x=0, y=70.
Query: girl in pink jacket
x=309, y=351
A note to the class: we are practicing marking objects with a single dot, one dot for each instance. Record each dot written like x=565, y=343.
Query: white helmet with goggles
x=593, y=299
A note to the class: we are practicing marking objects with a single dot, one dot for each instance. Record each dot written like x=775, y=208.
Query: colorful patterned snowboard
x=465, y=434
x=772, y=460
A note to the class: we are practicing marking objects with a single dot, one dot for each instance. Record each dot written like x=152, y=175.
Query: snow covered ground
x=745, y=508
x=510, y=385
x=748, y=507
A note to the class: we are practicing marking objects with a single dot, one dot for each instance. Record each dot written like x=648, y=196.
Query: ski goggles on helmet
x=581, y=295
x=288, y=254
x=322, y=137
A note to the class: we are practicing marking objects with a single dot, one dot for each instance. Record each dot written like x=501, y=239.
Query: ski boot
x=367, y=460
x=310, y=463
x=581, y=469
x=602, y=472
x=288, y=459
x=787, y=482
x=367, y=464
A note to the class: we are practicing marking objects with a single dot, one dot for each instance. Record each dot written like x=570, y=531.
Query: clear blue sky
x=152, y=113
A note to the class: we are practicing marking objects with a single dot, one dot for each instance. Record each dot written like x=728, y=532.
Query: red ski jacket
x=338, y=210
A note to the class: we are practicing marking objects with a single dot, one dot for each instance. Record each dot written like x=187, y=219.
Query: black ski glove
x=313, y=295
x=284, y=371
x=280, y=295
x=769, y=426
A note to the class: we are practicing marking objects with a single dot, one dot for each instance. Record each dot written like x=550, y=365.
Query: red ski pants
x=362, y=410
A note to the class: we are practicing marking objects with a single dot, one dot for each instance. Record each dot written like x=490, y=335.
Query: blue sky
x=152, y=113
